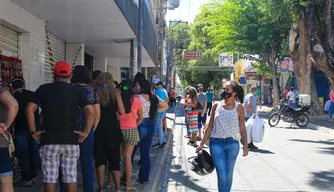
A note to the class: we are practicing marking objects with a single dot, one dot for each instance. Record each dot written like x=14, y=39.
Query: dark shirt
x=59, y=102
x=3, y=119
x=93, y=98
x=23, y=97
x=109, y=120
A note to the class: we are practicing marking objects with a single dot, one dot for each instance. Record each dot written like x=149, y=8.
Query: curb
x=322, y=129
x=157, y=168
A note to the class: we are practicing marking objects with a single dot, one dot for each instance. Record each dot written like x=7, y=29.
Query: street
x=289, y=159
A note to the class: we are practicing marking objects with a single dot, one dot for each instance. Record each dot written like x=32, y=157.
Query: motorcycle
x=290, y=115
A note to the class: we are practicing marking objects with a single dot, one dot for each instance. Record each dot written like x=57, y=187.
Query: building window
x=125, y=73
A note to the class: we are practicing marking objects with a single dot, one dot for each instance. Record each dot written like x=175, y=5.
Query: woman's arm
x=163, y=106
x=242, y=129
x=140, y=116
x=209, y=128
x=9, y=101
x=97, y=115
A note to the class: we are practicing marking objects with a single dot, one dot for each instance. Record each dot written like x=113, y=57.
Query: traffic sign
x=193, y=55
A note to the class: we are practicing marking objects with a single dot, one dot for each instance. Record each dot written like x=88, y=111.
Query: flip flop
x=130, y=188
x=110, y=187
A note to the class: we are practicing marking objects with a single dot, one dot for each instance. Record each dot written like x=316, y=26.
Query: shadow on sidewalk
x=262, y=151
x=329, y=143
x=182, y=180
x=323, y=180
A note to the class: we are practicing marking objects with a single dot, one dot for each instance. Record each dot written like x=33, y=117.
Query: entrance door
x=89, y=62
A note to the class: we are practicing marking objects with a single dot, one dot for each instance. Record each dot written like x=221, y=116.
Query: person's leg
x=68, y=162
x=114, y=166
x=147, y=132
x=127, y=163
x=199, y=135
x=331, y=110
x=209, y=108
x=21, y=141
x=50, y=160
x=6, y=171
x=164, y=127
x=219, y=160
x=232, y=150
x=187, y=127
x=6, y=183
x=33, y=157
x=159, y=127
x=86, y=159
x=100, y=157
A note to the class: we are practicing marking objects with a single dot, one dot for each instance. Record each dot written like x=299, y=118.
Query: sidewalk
x=157, y=161
x=318, y=123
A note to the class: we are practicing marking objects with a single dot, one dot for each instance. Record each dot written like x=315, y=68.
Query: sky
x=187, y=10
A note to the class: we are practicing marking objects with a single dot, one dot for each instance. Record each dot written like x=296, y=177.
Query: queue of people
x=83, y=116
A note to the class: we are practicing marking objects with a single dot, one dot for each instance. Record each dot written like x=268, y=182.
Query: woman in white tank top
x=226, y=127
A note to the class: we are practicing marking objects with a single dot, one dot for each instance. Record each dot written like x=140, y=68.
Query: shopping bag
x=257, y=125
x=248, y=126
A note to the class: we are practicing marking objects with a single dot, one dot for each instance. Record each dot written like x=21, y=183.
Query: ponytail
x=239, y=90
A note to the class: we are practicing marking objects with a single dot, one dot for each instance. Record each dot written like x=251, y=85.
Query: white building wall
x=115, y=72
x=100, y=63
x=72, y=50
x=31, y=41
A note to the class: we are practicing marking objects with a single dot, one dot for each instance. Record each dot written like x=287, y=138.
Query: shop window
x=125, y=73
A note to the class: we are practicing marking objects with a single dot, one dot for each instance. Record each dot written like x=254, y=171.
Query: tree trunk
x=321, y=41
x=300, y=53
x=270, y=60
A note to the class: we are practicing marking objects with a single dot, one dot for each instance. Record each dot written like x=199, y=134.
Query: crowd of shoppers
x=83, y=116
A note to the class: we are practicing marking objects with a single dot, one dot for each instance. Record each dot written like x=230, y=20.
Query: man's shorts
x=5, y=163
x=63, y=156
x=201, y=120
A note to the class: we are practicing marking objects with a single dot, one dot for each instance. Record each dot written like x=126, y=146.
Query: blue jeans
x=159, y=128
x=146, y=131
x=293, y=105
x=224, y=153
x=331, y=110
x=87, y=164
x=26, y=151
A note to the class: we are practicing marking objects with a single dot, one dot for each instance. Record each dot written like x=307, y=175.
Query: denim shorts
x=6, y=163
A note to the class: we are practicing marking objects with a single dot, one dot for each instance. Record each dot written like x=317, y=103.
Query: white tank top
x=226, y=123
x=146, y=107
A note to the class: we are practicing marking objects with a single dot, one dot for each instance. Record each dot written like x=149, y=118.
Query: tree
x=251, y=27
x=200, y=40
x=312, y=43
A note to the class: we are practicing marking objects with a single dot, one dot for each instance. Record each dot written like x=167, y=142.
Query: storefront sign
x=225, y=60
x=193, y=55
x=285, y=65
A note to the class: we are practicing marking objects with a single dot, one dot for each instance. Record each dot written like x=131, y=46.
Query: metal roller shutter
x=58, y=47
x=9, y=40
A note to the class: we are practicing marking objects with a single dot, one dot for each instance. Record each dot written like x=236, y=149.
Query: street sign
x=225, y=60
x=193, y=55
x=242, y=80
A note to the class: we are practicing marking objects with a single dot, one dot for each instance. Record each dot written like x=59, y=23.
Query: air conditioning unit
x=305, y=99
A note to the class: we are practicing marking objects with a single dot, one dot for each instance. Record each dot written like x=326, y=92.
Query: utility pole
x=140, y=35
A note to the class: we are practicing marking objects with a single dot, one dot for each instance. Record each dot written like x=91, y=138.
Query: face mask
x=200, y=90
x=226, y=95
x=209, y=90
x=137, y=90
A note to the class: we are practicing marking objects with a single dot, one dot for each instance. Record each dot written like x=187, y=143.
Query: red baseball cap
x=63, y=69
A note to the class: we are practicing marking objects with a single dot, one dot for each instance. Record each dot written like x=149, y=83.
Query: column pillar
x=100, y=63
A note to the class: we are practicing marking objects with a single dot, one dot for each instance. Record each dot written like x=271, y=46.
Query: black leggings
x=107, y=148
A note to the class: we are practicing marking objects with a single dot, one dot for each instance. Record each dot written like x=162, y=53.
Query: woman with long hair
x=227, y=124
x=190, y=105
x=81, y=78
x=108, y=135
x=146, y=128
x=129, y=121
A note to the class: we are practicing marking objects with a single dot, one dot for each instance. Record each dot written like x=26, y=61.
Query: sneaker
x=162, y=145
x=252, y=146
x=190, y=143
x=156, y=145
x=27, y=183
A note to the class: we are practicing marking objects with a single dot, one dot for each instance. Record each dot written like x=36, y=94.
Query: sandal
x=110, y=187
x=130, y=188
x=141, y=182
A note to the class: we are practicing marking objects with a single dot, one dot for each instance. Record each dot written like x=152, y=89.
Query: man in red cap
x=59, y=140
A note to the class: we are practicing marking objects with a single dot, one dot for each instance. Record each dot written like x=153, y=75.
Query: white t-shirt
x=292, y=97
